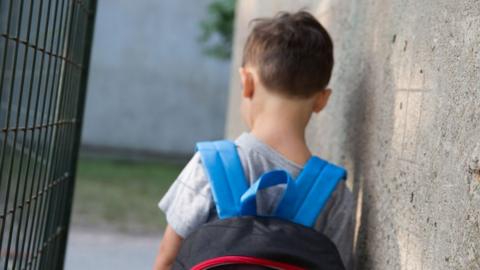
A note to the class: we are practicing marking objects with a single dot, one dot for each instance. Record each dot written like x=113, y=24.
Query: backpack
x=240, y=239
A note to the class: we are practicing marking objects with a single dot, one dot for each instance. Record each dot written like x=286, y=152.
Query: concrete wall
x=404, y=119
x=151, y=89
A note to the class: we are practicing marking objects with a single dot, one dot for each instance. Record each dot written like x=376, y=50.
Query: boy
x=286, y=67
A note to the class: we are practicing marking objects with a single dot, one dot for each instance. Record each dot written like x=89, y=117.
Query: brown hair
x=292, y=52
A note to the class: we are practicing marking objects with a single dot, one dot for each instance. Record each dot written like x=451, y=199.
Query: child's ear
x=248, y=86
x=321, y=99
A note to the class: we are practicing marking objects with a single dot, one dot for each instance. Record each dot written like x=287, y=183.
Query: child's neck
x=285, y=132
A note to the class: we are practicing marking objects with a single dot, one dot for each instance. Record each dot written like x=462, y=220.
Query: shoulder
x=339, y=208
x=194, y=177
x=188, y=201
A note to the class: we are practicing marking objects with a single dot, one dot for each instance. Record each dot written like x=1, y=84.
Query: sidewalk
x=99, y=250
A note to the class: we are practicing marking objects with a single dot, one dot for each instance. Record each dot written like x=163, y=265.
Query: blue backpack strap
x=269, y=179
x=319, y=194
x=290, y=203
x=314, y=186
x=225, y=173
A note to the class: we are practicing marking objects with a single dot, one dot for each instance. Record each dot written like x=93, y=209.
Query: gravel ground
x=103, y=250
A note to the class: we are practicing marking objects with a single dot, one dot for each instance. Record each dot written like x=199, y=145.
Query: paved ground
x=99, y=250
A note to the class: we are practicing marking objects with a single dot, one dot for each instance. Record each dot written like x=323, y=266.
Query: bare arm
x=169, y=247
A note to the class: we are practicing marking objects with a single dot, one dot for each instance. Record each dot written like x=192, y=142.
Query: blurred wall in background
x=151, y=89
x=404, y=118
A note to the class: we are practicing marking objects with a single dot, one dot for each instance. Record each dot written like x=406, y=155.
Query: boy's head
x=289, y=56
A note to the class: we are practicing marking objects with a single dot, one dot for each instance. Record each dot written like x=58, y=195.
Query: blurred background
x=403, y=118
x=158, y=83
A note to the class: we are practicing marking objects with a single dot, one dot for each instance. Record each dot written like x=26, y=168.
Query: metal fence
x=44, y=56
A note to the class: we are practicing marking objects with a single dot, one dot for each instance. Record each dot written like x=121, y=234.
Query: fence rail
x=44, y=58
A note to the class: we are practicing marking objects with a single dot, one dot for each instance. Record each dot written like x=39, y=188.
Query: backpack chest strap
x=302, y=201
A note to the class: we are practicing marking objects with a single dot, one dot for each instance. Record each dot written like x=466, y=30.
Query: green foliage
x=217, y=29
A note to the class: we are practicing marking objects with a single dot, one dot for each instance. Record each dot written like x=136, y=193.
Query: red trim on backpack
x=225, y=260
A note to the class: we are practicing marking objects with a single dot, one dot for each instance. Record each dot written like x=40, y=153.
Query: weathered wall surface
x=404, y=119
x=151, y=89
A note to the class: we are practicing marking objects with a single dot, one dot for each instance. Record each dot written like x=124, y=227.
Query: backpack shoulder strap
x=225, y=173
x=313, y=188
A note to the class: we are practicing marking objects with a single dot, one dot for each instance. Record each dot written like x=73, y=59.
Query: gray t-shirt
x=189, y=202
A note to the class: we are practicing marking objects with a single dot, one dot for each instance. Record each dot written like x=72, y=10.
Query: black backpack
x=242, y=240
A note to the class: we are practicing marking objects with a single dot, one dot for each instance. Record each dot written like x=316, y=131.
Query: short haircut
x=293, y=53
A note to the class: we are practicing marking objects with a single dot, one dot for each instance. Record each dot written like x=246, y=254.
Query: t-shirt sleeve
x=188, y=202
x=337, y=222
